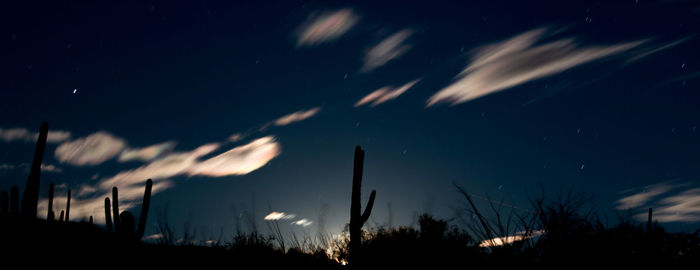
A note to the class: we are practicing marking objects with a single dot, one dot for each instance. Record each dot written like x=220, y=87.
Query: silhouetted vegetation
x=553, y=233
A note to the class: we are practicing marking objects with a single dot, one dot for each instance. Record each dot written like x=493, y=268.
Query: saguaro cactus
x=357, y=220
x=68, y=206
x=115, y=208
x=124, y=222
x=31, y=191
x=60, y=218
x=50, y=215
x=108, y=215
x=144, y=209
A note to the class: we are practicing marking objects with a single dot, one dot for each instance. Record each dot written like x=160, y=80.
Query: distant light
x=75, y=91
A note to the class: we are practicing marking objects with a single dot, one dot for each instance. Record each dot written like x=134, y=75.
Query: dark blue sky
x=601, y=96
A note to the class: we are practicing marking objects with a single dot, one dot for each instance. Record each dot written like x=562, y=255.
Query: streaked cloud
x=303, y=222
x=50, y=168
x=91, y=150
x=153, y=236
x=171, y=165
x=325, y=27
x=236, y=137
x=388, y=49
x=385, y=94
x=239, y=160
x=146, y=153
x=7, y=167
x=279, y=215
x=671, y=202
x=506, y=240
x=23, y=134
x=524, y=58
x=296, y=116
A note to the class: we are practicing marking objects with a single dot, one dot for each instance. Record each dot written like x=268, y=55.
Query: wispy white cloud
x=236, y=137
x=239, y=160
x=671, y=202
x=91, y=150
x=50, y=168
x=390, y=48
x=385, y=94
x=7, y=167
x=296, y=116
x=303, y=222
x=524, y=58
x=506, y=240
x=23, y=134
x=146, y=153
x=236, y=161
x=279, y=215
x=325, y=27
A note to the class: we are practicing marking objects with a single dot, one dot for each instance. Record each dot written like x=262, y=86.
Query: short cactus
x=50, y=216
x=108, y=215
x=68, y=206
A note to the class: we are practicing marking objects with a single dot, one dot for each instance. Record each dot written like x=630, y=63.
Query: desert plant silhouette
x=124, y=222
x=357, y=217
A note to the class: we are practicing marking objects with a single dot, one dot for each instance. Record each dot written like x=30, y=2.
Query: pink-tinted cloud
x=524, y=58
x=279, y=215
x=91, y=150
x=388, y=49
x=385, y=94
x=325, y=27
x=296, y=116
x=239, y=160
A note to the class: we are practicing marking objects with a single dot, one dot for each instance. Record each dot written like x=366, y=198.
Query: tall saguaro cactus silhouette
x=31, y=191
x=357, y=220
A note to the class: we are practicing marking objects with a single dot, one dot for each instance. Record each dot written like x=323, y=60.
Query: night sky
x=244, y=109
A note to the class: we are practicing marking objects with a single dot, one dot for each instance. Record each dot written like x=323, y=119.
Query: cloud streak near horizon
x=23, y=134
x=524, y=58
x=672, y=202
x=161, y=166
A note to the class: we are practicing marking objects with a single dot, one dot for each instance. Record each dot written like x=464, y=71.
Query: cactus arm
x=108, y=215
x=144, y=209
x=115, y=209
x=368, y=208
